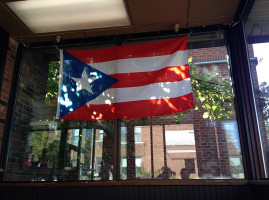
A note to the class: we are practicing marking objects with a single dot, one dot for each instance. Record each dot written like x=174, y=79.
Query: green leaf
x=208, y=106
x=221, y=117
x=205, y=115
x=216, y=109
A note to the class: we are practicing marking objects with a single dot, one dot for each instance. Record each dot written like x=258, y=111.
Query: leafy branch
x=214, y=94
x=262, y=96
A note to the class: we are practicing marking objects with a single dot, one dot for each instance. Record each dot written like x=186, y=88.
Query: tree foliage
x=53, y=81
x=262, y=101
x=262, y=97
x=38, y=143
x=214, y=94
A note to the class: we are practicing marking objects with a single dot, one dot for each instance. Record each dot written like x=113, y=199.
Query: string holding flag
x=131, y=81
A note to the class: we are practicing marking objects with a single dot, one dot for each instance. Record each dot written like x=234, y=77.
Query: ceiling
x=142, y=16
x=258, y=19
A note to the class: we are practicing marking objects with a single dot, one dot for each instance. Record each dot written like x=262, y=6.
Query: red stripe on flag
x=161, y=48
x=167, y=74
x=133, y=109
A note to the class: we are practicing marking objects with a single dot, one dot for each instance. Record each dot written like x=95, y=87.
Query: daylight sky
x=261, y=51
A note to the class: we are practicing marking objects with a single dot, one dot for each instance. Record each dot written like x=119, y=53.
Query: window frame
x=12, y=104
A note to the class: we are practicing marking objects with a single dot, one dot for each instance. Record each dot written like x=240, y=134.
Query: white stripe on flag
x=151, y=91
x=143, y=64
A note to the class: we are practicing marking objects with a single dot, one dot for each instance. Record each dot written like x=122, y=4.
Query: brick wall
x=208, y=54
x=32, y=88
x=6, y=85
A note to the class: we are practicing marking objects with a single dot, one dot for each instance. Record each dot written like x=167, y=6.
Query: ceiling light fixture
x=43, y=16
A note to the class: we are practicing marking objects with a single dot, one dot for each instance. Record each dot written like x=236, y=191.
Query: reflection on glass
x=123, y=152
x=260, y=80
x=261, y=89
x=181, y=151
x=201, y=143
x=73, y=154
x=45, y=149
x=256, y=29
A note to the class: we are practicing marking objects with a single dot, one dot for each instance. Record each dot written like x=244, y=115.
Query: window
x=100, y=134
x=74, y=136
x=45, y=149
x=201, y=143
x=179, y=137
x=236, y=167
x=258, y=45
x=123, y=134
x=137, y=132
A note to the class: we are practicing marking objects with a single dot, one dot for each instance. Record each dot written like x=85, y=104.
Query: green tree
x=214, y=94
x=87, y=151
x=53, y=81
x=52, y=90
x=262, y=96
x=262, y=101
x=38, y=143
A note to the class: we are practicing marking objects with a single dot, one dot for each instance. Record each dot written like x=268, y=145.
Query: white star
x=84, y=82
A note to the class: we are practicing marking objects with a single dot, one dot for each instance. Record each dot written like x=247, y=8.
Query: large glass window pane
x=45, y=149
x=257, y=32
x=201, y=143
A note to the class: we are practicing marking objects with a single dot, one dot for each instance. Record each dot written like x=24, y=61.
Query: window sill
x=259, y=182
x=126, y=182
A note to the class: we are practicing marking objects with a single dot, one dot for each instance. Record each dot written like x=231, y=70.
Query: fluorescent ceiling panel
x=43, y=16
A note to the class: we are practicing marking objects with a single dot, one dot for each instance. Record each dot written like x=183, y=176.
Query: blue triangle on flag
x=70, y=98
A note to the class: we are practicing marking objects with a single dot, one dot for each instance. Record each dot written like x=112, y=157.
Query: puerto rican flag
x=131, y=81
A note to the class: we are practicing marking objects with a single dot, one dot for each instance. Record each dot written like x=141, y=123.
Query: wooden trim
x=10, y=1
x=16, y=18
x=151, y=150
x=111, y=36
x=127, y=182
x=260, y=182
x=116, y=153
x=128, y=12
x=248, y=7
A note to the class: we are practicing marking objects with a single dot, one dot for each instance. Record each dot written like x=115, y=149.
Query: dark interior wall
x=260, y=192
x=232, y=192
